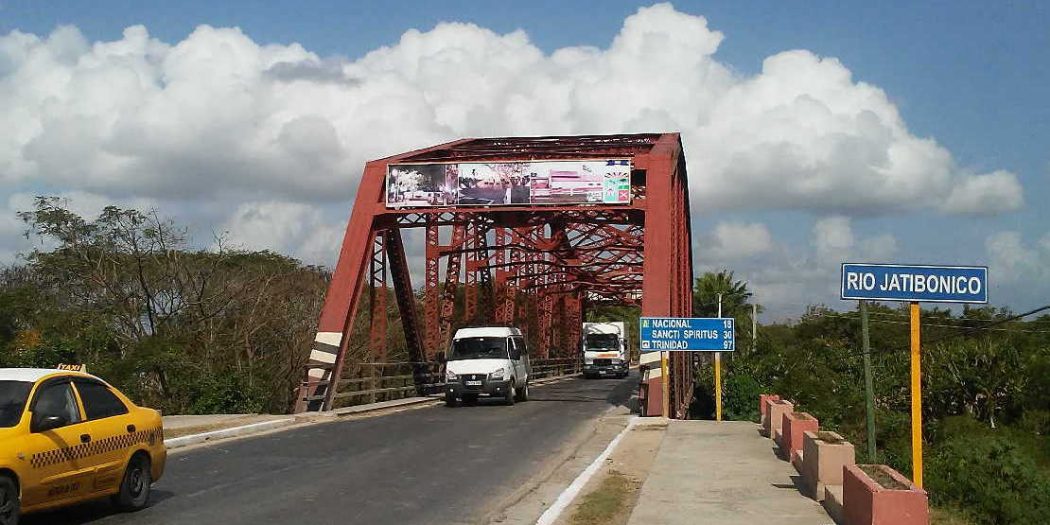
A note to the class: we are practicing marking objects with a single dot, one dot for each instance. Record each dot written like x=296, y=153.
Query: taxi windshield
x=13, y=397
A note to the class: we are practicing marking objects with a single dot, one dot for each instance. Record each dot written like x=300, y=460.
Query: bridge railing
x=386, y=381
x=376, y=382
x=553, y=367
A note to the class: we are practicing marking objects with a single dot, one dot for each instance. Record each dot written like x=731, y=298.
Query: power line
x=970, y=330
x=989, y=327
x=949, y=326
x=906, y=316
x=966, y=330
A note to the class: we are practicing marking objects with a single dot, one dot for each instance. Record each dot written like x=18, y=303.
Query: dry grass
x=608, y=504
x=882, y=478
x=830, y=437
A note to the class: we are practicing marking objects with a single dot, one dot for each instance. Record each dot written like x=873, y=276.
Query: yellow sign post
x=718, y=386
x=666, y=383
x=916, y=396
x=718, y=373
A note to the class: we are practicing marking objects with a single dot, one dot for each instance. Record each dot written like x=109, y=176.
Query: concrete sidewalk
x=181, y=423
x=722, y=473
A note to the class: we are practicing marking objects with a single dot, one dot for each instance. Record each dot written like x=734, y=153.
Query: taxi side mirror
x=441, y=358
x=44, y=424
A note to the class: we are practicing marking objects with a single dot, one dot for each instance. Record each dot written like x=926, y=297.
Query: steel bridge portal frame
x=538, y=266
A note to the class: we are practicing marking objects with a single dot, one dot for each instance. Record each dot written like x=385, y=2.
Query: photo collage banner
x=558, y=182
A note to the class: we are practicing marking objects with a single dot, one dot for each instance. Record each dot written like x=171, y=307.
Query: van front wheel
x=523, y=393
x=511, y=394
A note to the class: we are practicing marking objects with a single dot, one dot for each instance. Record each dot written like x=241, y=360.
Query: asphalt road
x=430, y=465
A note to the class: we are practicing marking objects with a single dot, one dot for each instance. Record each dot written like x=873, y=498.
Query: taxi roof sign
x=72, y=368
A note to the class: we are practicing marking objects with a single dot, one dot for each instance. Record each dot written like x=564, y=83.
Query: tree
x=182, y=329
x=708, y=287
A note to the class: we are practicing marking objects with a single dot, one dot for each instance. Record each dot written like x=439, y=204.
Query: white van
x=489, y=360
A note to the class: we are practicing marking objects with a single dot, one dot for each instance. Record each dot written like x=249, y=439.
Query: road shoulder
x=612, y=493
x=530, y=501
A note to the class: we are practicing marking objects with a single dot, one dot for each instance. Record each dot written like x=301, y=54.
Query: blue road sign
x=711, y=334
x=934, y=284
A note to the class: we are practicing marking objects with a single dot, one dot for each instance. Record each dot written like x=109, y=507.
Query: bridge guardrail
x=385, y=381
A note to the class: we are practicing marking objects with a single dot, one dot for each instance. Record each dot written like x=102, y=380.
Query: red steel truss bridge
x=536, y=266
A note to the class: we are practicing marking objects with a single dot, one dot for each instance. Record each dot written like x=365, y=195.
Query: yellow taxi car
x=68, y=437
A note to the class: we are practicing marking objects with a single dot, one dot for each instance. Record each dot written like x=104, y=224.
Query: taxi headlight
x=497, y=374
x=450, y=376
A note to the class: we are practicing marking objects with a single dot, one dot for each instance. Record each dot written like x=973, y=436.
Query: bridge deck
x=724, y=473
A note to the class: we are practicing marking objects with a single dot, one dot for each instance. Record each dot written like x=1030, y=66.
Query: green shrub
x=740, y=401
x=225, y=394
x=703, y=403
x=991, y=475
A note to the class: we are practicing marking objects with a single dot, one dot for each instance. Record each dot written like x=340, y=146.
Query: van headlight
x=497, y=374
x=450, y=376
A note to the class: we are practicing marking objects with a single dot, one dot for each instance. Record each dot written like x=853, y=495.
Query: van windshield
x=479, y=348
x=603, y=342
x=13, y=395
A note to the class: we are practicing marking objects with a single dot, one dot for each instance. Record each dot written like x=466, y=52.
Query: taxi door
x=112, y=431
x=59, y=470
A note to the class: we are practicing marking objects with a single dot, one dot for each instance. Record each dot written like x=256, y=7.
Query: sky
x=815, y=132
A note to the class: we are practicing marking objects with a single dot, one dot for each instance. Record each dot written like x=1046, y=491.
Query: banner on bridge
x=687, y=334
x=555, y=182
x=934, y=284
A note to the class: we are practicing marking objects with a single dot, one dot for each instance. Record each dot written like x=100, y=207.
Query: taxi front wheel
x=135, y=489
x=9, y=501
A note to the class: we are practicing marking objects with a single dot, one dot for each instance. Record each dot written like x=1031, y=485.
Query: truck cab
x=605, y=350
x=490, y=361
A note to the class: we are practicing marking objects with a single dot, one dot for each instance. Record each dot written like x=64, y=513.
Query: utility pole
x=754, y=327
x=869, y=384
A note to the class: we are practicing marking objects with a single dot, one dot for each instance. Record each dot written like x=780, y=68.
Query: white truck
x=605, y=350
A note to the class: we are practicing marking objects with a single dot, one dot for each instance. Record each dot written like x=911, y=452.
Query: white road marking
x=565, y=498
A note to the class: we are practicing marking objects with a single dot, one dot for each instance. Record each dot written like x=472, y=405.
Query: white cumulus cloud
x=984, y=194
x=272, y=134
x=1011, y=259
x=795, y=275
x=218, y=113
x=834, y=242
x=293, y=228
x=734, y=240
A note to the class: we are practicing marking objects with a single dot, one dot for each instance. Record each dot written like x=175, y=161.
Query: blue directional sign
x=935, y=284
x=711, y=334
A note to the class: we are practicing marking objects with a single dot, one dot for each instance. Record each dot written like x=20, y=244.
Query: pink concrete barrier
x=763, y=407
x=824, y=454
x=775, y=410
x=879, y=495
x=795, y=424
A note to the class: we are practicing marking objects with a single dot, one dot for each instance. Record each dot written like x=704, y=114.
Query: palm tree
x=735, y=295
